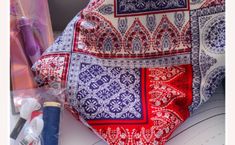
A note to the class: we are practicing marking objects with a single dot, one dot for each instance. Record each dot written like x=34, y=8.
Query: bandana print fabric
x=136, y=69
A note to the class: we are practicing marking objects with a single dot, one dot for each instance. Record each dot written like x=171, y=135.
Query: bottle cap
x=51, y=104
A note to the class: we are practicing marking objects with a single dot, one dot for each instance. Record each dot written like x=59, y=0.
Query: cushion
x=136, y=69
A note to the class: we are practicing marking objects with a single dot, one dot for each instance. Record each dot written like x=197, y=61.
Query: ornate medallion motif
x=214, y=34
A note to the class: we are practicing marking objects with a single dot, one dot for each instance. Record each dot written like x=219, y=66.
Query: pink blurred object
x=32, y=48
x=31, y=33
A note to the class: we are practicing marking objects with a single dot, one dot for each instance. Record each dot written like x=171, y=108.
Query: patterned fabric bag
x=136, y=69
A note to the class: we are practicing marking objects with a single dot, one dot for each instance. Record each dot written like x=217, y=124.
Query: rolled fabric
x=51, y=118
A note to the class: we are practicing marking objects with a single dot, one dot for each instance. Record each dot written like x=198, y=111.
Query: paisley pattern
x=98, y=37
x=135, y=69
x=122, y=25
x=152, y=135
x=151, y=22
x=106, y=9
x=179, y=19
x=162, y=93
x=137, y=38
x=101, y=36
x=166, y=37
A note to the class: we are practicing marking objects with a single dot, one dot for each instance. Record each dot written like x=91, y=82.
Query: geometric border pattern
x=195, y=15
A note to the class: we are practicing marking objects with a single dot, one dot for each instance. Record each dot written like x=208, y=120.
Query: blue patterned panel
x=109, y=92
x=208, y=50
x=138, y=7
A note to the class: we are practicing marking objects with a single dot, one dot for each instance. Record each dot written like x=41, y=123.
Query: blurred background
x=62, y=12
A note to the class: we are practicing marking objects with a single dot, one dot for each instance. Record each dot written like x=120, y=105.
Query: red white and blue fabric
x=136, y=69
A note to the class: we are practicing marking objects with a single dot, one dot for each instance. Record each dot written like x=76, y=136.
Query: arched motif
x=101, y=37
x=166, y=36
x=137, y=39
